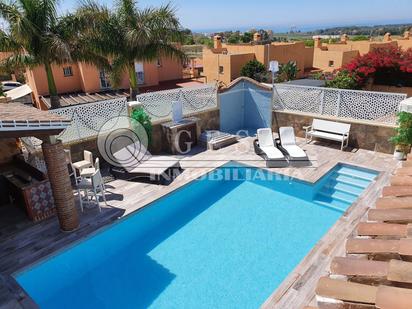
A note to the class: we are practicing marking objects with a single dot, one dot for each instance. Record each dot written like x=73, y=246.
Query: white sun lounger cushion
x=267, y=145
x=288, y=142
x=137, y=160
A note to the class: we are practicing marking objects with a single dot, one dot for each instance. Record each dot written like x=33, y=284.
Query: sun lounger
x=397, y=191
x=382, y=229
x=394, y=202
x=141, y=164
x=334, y=294
x=265, y=147
x=390, y=215
x=288, y=145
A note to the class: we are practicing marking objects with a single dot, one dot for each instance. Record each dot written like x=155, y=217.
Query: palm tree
x=128, y=35
x=35, y=36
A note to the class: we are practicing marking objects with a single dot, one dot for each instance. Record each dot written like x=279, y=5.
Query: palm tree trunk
x=54, y=98
x=134, y=88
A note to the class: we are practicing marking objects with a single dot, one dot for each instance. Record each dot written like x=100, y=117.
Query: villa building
x=224, y=61
x=329, y=57
x=85, y=78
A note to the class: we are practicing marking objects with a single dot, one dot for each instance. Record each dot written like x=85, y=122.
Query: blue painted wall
x=245, y=107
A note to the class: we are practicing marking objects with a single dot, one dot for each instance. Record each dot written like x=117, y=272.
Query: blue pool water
x=212, y=244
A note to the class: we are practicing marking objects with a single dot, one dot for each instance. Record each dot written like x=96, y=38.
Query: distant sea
x=302, y=28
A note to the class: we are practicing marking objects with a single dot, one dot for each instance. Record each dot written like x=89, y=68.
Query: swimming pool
x=225, y=241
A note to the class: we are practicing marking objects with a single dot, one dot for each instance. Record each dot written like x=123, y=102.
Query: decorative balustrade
x=87, y=119
x=195, y=99
x=363, y=105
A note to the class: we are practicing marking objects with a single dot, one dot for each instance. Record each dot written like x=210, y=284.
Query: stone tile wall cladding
x=208, y=120
x=363, y=134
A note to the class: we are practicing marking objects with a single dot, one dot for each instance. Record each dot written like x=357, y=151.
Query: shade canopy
x=18, y=92
x=18, y=120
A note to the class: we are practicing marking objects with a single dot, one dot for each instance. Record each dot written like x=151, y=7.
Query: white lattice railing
x=355, y=104
x=87, y=119
x=195, y=99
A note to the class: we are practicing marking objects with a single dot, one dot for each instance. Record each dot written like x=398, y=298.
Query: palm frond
x=118, y=68
x=8, y=44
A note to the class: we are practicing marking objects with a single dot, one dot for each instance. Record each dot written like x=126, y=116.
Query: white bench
x=331, y=130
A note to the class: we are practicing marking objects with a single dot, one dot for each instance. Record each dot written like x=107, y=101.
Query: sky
x=279, y=15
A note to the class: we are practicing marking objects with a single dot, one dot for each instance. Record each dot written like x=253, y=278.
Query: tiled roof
x=377, y=269
x=15, y=117
x=82, y=98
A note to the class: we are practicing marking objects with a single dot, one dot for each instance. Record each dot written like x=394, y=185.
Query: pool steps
x=343, y=188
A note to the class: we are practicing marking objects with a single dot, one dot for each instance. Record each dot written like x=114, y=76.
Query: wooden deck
x=23, y=243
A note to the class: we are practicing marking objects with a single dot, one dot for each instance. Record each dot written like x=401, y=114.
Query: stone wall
x=383, y=88
x=208, y=120
x=363, y=134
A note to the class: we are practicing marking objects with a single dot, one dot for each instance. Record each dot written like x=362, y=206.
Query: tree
x=234, y=38
x=129, y=34
x=288, y=71
x=343, y=80
x=256, y=70
x=264, y=35
x=246, y=37
x=386, y=66
x=35, y=36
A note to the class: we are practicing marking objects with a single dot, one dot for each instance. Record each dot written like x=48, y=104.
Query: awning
x=18, y=92
x=18, y=120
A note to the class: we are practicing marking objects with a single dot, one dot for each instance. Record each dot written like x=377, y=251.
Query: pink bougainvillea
x=392, y=59
x=406, y=61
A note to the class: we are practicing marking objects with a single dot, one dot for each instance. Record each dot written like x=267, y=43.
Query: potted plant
x=403, y=138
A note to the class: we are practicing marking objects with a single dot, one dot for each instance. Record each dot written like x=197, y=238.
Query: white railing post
x=322, y=97
x=338, y=103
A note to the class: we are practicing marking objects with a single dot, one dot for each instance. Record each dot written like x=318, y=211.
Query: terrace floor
x=23, y=243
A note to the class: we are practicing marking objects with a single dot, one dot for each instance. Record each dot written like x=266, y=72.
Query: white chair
x=73, y=171
x=92, y=187
x=88, y=172
x=288, y=143
x=265, y=146
x=86, y=162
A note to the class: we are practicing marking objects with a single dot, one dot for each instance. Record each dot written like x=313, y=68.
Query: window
x=221, y=69
x=139, y=69
x=67, y=71
x=104, y=80
x=331, y=63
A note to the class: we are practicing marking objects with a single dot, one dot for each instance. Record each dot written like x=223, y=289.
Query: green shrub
x=140, y=115
x=360, y=38
x=256, y=70
x=403, y=138
x=343, y=80
x=287, y=71
x=1, y=90
x=309, y=43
